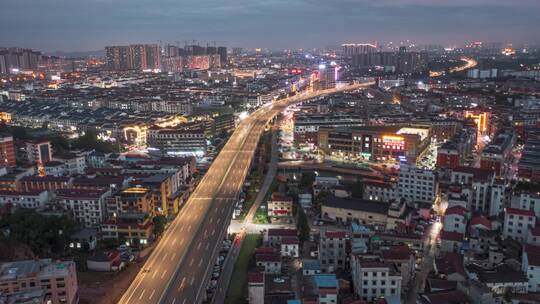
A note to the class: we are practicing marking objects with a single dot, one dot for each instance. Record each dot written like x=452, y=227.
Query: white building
x=87, y=206
x=73, y=163
x=416, y=185
x=332, y=250
x=290, y=247
x=530, y=264
x=374, y=279
x=24, y=199
x=517, y=223
x=379, y=191
x=480, y=181
x=455, y=219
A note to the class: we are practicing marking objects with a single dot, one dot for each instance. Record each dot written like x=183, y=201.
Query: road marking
x=181, y=228
x=152, y=294
x=213, y=231
x=173, y=301
x=142, y=293
x=192, y=280
x=200, y=262
x=154, y=275
x=174, y=242
x=165, y=256
x=191, y=263
x=189, y=228
x=182, y=284
x=199, y=246
x=163, y=274
x=207, y=246
x=173, y=255
x=184, y=302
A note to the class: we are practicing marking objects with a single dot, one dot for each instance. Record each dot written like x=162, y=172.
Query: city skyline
x=276, y=24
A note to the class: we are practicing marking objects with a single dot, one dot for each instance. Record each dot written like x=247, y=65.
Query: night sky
x=83, y=25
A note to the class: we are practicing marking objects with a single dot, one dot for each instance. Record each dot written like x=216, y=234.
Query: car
x=215, y=275
x=279, y=280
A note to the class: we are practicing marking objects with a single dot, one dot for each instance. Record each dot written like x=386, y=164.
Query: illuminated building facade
x=375, y=143
x=198, y=62
x=481, y=119
x=328, y=75
x=7, y=152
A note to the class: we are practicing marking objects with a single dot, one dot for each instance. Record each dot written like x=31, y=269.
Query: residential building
x=279, y=205
x=375, y=190
x=373, y=279
x=417, y=185
x=530, y=265
x=455, y=219
x=135, y=228
x=57, y=279
x=24, y=199
x=39, y=152
x=364, y=212
x=7, y=152
x=517, y=223
x=88, y=207
x=274, y=236
x=334, y=250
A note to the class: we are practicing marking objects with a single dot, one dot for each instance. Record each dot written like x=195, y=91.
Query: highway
x=179, y=267
x=469, y=64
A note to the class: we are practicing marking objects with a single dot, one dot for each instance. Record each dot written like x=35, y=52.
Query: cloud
x=91, y=24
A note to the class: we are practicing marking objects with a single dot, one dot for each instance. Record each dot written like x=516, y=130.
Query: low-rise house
x=273, y=236
x=290, y=247
x=500, y=279
x=84, y=239
x=451, y=267
x=451, y=241
x=323, y=287
x=279, y=205
x=353, y=210
x=256, y=288
x=105, y=261
x=270, y=262
x=310, y=267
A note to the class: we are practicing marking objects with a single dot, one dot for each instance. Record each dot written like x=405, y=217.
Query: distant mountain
x=99, y=53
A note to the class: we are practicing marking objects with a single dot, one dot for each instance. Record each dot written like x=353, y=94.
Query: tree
x=47, y=236
x=302, y=225
x=308, y=178
x=357, y=189
x=159, y=224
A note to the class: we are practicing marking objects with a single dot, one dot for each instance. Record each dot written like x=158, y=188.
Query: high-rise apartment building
x=13, y=59
x=117, y=57
x=351, y=49
x=222, y=51
x=133, y=57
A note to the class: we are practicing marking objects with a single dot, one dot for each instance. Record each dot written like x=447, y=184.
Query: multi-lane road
x=177, y=270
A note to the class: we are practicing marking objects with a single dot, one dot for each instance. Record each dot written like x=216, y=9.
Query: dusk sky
x=84, y=25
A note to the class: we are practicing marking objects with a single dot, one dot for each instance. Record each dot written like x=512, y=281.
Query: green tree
x=357, y=189
x=302, y=225
x=46, y=236
x=308, y=178
x=159, y=224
